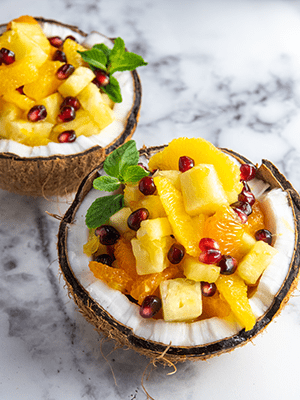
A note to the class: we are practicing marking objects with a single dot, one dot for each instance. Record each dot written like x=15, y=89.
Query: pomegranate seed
x=65, y=71
x=176, y=253
x=247, y=172
x=246, y=186
x=243, y=206
x=71, y=101
x=104, y=259
x=185, y=163
x=101, y=77
x=134, y=220
x=20, y=89
x=242, y=216
x=147, y=185
x=207, y=244
x=247, y=197
x=59, y=56
x=210, y=256
x=208, y=289
x=143, y=166
x=228, y=265
x=67, y=113
x=150, y=306
x=264, y=235
x=7, y=57
x=107, y=234
x=56, y=41
x=71, y=37
x=37, y=113
x=67, y=136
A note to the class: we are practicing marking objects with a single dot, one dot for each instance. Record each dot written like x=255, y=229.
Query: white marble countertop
x=228, y=71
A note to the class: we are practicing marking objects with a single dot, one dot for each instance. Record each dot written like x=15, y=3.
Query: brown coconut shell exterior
x=105, y=323
x=59, y=175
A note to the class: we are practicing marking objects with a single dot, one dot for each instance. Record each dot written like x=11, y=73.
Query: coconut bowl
x=57, y=169
x=114, y=315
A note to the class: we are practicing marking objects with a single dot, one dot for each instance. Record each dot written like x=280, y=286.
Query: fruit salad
x=186, y=239
x=52, y=89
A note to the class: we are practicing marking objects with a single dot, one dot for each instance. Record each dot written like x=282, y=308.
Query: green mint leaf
x=102, y=209
x=113, y=90
x=94, y=57
x=134, y=173
x=107, y=183
x=125, y=155
x=121, y=60
x=104, y=48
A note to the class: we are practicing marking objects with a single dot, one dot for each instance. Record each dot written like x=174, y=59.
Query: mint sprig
x=111, y=61
x=121, y=168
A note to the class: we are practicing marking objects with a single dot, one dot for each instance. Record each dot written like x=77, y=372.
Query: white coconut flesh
x=280, y=221
x=107, y=135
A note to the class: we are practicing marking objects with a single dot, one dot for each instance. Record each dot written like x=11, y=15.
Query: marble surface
x=228, y=71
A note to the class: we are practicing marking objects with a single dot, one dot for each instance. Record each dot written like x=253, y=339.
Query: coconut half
x=117, y=317
x=57, y=168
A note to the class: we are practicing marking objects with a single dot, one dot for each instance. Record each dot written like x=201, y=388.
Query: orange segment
x=214, y=306
x=202, y=152
x=116, y=278
x=225, y=228
x=181, y=222
x=234, y=291
x=256, y=219
x=70, y=48
x=125, y=258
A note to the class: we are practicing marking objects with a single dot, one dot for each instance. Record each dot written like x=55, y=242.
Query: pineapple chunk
x=119, y=220
x=132, y=195
x=70, y=48
x=23, y=102
x=91, y=100
x=181, y=299
x=30, y=133
x=52, y=104
x=74, y=84
x=198, y=271
x=8, y=112
x=172, y=175
x=153, y=205
x=255, y=262
x=202, y=190
x=83, y=124
x=154, y=229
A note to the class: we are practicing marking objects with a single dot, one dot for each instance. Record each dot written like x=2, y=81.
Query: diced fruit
x=199, y=223
x=125, y=258
x=234, y=290
x=255, y=220
x=154, y=229
x=214, y=306
x=181, y=299
x=82, y=125
x=150, y=306
x=227, y=265
x=180, y=221
x=185, y=163
x=198, y=271
x=20, y=100
x=202, y=190
x=176, y=253
x=201, y=151
x=119, y=220
x=91, y=246
x=247, y=242
x=136, y=217
x=30, y=133
x=132, y=195
x=172, y=175
x=255, y=262
x=91, y=100
x=107, y=234
x=70, y=48
x=116, y=278
x=9, y=112
x=52, y=105
x=80, y=78
x=153, y=205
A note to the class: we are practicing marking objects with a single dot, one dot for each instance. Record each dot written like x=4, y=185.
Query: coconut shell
x=105, y=323
x=60, y=174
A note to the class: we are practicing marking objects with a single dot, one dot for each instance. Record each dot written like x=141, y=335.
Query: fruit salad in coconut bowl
x=67, y=99
x=181, y=252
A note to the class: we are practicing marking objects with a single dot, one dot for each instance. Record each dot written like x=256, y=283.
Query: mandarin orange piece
x=125, y=258
x=256, y=219
x=70, y=48
x=215, y=306
x=115, y=278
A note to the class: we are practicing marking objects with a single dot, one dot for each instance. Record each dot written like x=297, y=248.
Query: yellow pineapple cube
x=198, y=271
x=119, y=220
x=181, y=299
x=52, y=104
x=172, y=175
x=83, y=124
x=202, y=190
x=74, y=84
x=154, y=229
x=132, y=195
x=256, y=261
x=70, y=48
x=30, y=133
x=8, y=112
x=153, y=205
x=91, y=100
x=20, y=100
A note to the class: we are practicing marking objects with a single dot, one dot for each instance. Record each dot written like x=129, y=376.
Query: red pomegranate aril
x=242, y=216
x=185, y=163
x=7, y=57
x=150, y=306
x=67, y=113
x=176, y=253
x=247, y=197
x=136, y=217
x=207, y=244
x=104, y=259
x=37, y=113
x=210, y=256
x=56, y=41
x=245, y=186
x=143, y=166
x=59, y=56
x=71, y=101
x=243, y=206
x=107, y=234
x=101, y=77
x=67, y=136
x=71, y=37
x=20, y=89
x=248, y=172
x=264, y=235
x=65, y=71
x=208, y=289
x=228, y=265
x=147, y=185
